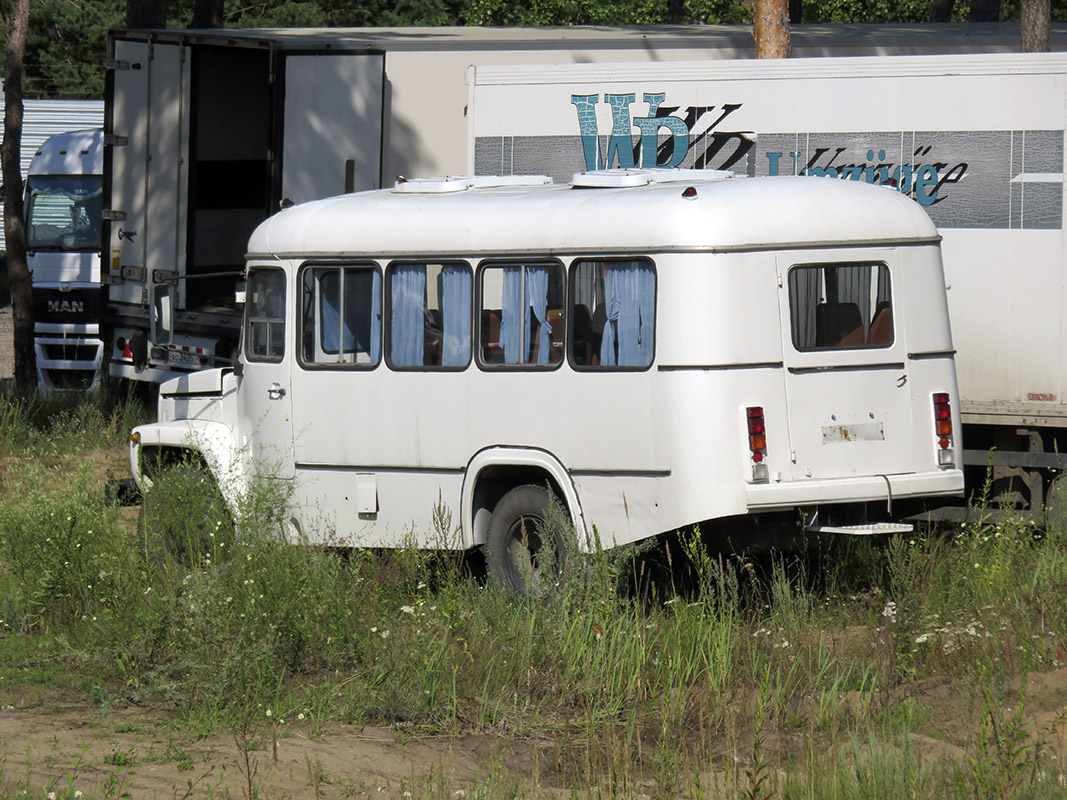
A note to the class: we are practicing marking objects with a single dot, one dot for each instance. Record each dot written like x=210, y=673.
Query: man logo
x=66, y=306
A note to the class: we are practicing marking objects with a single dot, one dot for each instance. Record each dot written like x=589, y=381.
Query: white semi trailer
x=193, y=164
x=976, y=140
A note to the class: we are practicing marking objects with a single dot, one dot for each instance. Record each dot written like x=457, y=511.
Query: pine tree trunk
x=771, y=29
x=940, y=11
x=1035, y=21
x=207, y=14
x=18, y=271
x=146, y=13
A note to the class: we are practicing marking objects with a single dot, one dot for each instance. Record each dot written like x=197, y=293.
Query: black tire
x=184, y=521
x=526, y=551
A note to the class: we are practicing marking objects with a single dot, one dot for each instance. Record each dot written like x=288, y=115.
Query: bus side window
x=521, y=314
x=341, y=315
x=429, y=315
x=265, y=312
x=613, y=313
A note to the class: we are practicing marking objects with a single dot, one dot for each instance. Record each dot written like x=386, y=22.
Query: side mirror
x=162, y=313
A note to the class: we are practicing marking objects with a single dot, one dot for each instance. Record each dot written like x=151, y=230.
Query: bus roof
x=664, y=211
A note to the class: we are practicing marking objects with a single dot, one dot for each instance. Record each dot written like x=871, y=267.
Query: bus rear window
x=840, y=306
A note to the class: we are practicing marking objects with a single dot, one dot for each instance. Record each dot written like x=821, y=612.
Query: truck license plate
x=182, y=357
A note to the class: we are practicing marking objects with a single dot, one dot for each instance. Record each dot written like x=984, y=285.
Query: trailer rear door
x=148, y=115
x=845, y=355
x=332, y=136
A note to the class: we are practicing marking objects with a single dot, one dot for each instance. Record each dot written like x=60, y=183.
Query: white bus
x=654, y=349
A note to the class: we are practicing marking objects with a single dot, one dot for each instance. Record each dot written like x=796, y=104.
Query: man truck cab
x=64, y=217
x=650, y=349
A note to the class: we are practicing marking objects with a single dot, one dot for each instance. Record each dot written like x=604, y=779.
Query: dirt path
x=138, y=751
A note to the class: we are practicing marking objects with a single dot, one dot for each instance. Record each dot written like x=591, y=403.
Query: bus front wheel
x=526, y=550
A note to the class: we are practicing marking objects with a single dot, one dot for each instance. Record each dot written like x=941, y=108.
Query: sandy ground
x=141, y=753
x=136, y=751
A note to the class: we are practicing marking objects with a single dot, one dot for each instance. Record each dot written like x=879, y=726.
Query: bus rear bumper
x=868, y=488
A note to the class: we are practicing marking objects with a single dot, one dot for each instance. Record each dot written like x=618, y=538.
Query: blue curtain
x=407, y=321
x=511, y=316
x=613, y=307
x=630, y=305
x=456, y=316
x=537, y=302
x=644, y=286
x=329, y=311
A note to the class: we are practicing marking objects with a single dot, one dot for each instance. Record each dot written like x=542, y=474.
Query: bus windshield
x=64, y=212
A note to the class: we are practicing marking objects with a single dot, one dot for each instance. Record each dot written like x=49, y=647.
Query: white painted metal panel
x=166, y=186
x=850, y=410
x=149, y=172
x=128, y=178
x=333, y=115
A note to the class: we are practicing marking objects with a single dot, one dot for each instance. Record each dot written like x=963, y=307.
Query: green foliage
x=631, y=689
x=64, y=556
x=66, y=45
x=587, y=12
x=858, y=11
x=62, y=424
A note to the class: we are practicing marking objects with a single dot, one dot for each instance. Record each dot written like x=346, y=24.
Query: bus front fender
x=211, y=441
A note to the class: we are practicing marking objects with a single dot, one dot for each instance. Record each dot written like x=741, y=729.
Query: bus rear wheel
x=526, y=551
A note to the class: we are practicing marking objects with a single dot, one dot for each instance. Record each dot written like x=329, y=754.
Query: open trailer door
x=332, y=135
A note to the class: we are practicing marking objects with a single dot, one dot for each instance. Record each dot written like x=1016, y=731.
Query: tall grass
x=789, y=677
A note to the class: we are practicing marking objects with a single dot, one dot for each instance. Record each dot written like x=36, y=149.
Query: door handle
x=275, y=392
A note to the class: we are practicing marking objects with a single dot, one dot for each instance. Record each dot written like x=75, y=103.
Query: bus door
x=844, y=352
x=264, y=401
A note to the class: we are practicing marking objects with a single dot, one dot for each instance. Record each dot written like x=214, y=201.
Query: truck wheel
x=184, y=522
x=526, y=551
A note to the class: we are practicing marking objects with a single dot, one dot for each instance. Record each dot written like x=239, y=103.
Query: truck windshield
x=64, y=212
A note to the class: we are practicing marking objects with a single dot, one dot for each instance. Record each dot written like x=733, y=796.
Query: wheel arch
x=492, y=472
x=208, y=444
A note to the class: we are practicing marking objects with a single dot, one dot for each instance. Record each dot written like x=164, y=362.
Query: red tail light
x=757, y=442
x=943, y=428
